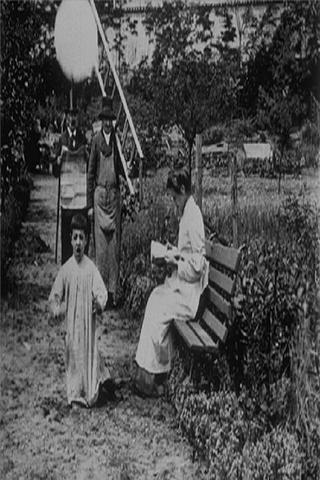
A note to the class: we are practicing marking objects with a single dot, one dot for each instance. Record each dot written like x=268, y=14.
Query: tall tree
x=186, y=80
x=113, y=16
x=289, y=49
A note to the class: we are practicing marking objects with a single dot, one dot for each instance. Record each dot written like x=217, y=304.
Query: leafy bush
x=276, y=284
x=15, y=195
x=308, y=155
x=154, y=151
x=14, y=209
x=154, y=221
x=242, y=129
x=213, y=135
x=234, y=445
x=10, y=225
x=13, y=167
x=272, y=363
x=310, y=134
x=137, y=286
x=275, y=455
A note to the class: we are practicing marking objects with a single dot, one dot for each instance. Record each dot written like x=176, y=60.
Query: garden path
x=40, y=437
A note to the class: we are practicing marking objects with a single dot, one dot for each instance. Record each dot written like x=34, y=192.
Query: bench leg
x=191, y=367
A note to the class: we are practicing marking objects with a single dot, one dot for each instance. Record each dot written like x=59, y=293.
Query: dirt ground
x=41, y=438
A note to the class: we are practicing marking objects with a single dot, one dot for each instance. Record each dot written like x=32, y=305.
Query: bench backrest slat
x=214, y=325
x=220, y=303
x=204, y=337
x=215, y=311
x=223, y=270
x=192, y=340
x=221, y=280
x=227, y=257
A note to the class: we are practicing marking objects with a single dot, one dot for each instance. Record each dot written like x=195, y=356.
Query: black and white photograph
x=160, y=241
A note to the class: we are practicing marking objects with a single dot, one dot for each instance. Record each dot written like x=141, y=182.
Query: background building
x=138, y=45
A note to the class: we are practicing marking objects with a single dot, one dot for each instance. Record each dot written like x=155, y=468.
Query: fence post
x=71, y=98
x=234, y=199
x=140, y=181
x=199, y=170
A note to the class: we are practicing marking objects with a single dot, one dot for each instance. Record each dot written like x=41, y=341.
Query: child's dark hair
x=79, y=222
x=178, y=178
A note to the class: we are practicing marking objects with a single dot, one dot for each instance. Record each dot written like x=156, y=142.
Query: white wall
x=136, y=47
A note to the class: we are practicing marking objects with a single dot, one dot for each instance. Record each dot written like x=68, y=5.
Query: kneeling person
x=80, y=285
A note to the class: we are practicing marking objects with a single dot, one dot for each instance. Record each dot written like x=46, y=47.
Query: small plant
x=275, y=455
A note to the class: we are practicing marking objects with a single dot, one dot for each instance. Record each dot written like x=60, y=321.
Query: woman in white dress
x=178, y=297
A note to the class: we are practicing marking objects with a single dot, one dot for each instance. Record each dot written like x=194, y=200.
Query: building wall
x=138, y=46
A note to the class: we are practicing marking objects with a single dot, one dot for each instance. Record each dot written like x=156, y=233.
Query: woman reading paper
x=178, y=297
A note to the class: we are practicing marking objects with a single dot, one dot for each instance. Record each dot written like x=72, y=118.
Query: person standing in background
x=32, y=146
x=73, y=141
x=72, y=137
x=104, y=200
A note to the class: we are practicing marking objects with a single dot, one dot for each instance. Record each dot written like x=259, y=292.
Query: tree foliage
x=187, y=82
x=283, y=67
x=260, y=67
x=26, y=44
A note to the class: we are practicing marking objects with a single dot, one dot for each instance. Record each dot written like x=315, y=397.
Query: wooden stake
x=58, y=217
x=234, y=199
x=140, y=181
x=199, y=170
x=71, y=98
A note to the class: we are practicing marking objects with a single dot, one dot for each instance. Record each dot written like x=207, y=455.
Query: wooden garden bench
x=216, y=308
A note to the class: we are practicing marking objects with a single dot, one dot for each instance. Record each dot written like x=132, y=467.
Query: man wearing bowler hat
x=69, y=146
x=104, y=201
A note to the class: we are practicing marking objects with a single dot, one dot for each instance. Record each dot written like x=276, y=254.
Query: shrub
x=10, y=226
x=213, y=135
x=14, y=208
x=275, y=455
x=273, y=359
x=15, y=194
x=232, y=444
x=242, y=129
x=137, y=286
x=155, y=220
x=276, y=282
x=310, y=135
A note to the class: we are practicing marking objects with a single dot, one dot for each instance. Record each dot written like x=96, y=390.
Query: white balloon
x=76, y=39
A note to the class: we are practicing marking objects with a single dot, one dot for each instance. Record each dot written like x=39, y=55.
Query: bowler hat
x=107, y=109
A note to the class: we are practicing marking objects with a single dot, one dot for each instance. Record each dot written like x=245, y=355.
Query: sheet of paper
x=159, y=251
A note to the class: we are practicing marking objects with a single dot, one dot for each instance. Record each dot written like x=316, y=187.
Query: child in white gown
x=80, y=286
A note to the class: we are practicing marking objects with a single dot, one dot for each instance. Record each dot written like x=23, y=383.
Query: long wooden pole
x=234, y=198
x=140, y=181
x=71, y=98
x=59, y=184
x=199, y=170
x=116, y=79
x=58, y=217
